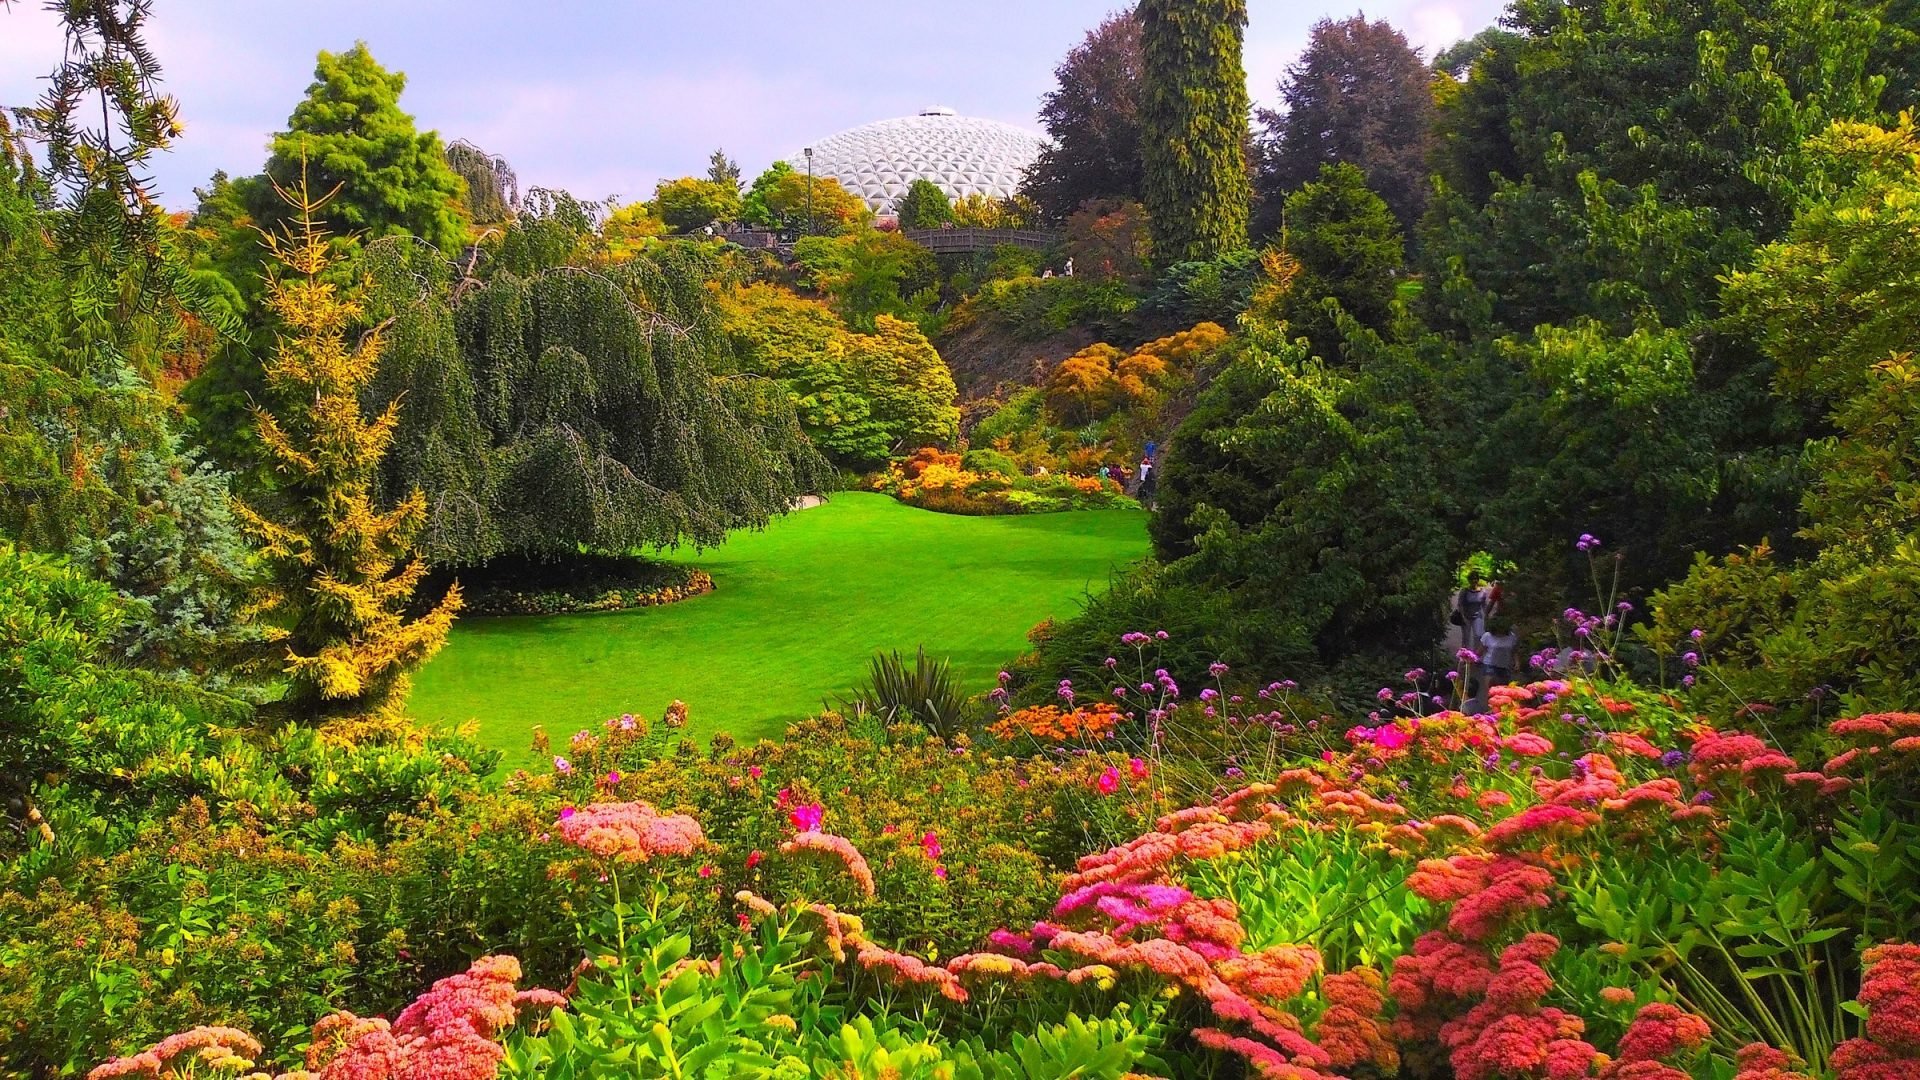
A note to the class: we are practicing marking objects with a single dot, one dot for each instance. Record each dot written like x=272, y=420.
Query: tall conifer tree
x=340, y=570
x=1194, y=126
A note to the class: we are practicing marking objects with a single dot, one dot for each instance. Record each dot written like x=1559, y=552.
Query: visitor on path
x=1470, y=610
x=1152, y=451
x=1106, y=473
x=1497, y=647
x=1148, y=481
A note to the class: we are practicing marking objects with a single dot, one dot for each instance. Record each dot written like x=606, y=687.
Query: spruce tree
x=339, y=570
x=1194, y=126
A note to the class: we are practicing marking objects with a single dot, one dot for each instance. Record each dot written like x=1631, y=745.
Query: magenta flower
x=563, y=766
x=1138, y=768
x=930, y=844
x=1109, y=781
x=807, y=817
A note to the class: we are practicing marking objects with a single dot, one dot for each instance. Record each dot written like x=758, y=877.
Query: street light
x=809, y=152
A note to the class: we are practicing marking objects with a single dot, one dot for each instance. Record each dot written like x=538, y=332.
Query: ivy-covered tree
x=1194, y=126
x=340, y=567
x=1359, y=95
x=350, y=132
x=924, y=206
x=1092, y=117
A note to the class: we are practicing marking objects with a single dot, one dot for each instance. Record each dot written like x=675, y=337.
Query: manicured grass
x=796, y=614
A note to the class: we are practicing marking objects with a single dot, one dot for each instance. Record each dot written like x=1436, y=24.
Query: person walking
x=1470, y=610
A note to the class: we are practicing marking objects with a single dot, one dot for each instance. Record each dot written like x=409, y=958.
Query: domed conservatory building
x=964, y=155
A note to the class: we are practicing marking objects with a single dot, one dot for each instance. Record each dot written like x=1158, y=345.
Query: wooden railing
x=961, y=241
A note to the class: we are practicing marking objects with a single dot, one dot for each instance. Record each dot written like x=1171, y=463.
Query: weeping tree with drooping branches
x=557, y=401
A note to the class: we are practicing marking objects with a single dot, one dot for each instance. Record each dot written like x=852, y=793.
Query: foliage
x=1214, y=290
x=1349, y=250
x=1833, y=302
x=533, y=404
x=1108, y=239
x=1304, y=488
x=1100, y=380
x=722, y=169
x=627, y=229
x=791, y=202
x=689, y=203
x=868, y=273
x=1092, y=117
x=99, y=317
x=350, y=133
x=860, y=397
x=924, y=206
x=1193, y=136
x=338, y=568
x=585, y=582
x=1359, y=95
x=492, y=188
x=978, y=210
x=934, y=480
x=1036, y=307
x=897, y=691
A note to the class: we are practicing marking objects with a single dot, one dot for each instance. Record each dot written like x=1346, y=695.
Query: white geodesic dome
x=964, y=155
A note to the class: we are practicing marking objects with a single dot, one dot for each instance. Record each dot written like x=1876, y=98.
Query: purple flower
x=1119, y=691
x=1006, y=677
x=1692, y=659
x=1384, y=693
x=1416, y=674
x=1112, y=663
x=1134, y=638
x=1161, y=634
x=1697, y=634
x=1467, y=656
x=1216, y=669
x=563, y=766
x=1673, y=759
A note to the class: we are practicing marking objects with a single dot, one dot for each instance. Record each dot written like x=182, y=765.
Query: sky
x=604, y=99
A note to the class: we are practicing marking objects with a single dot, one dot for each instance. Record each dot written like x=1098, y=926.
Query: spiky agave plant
x=922, y=690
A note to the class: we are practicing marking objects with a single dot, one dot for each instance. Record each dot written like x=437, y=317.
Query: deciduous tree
x=1359, y=95
x=1092, y=116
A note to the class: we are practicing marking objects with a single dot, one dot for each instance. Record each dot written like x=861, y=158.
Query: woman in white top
x=1498, y=643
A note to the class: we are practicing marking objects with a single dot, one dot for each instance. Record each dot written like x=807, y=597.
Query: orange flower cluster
x=1052, y=724
x=840, y=848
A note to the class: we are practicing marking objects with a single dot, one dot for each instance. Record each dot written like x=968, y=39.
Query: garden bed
x=583, y=583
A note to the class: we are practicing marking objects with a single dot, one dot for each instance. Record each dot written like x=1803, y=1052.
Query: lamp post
x=809, y=152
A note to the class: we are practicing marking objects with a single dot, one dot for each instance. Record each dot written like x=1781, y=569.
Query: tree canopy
x=350, y=133
x=1359, y=95
x=1092, y=117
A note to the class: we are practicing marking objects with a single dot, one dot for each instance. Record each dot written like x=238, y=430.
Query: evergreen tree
x=1349, y=250
x=722, y=169
x=351, y=133
x=924, y=206
x=1360, y=95
x=1194, y=126
x=1092, y=116
x=340, y=569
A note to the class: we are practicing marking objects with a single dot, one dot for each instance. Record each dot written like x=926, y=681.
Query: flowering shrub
x=935, y=480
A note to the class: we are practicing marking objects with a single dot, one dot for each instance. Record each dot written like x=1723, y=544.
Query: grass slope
x=797, y=611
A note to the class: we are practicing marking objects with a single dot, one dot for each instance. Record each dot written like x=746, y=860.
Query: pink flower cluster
x=451, y=1032
x=629, y=831
x=180, y=1055
x=1890, y=990
x=840, y=848
x=1509, y=1035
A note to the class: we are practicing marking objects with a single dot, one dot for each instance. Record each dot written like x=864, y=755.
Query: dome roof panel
x=962, y=154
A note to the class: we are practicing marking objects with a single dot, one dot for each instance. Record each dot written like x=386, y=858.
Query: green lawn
x=796, y=613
